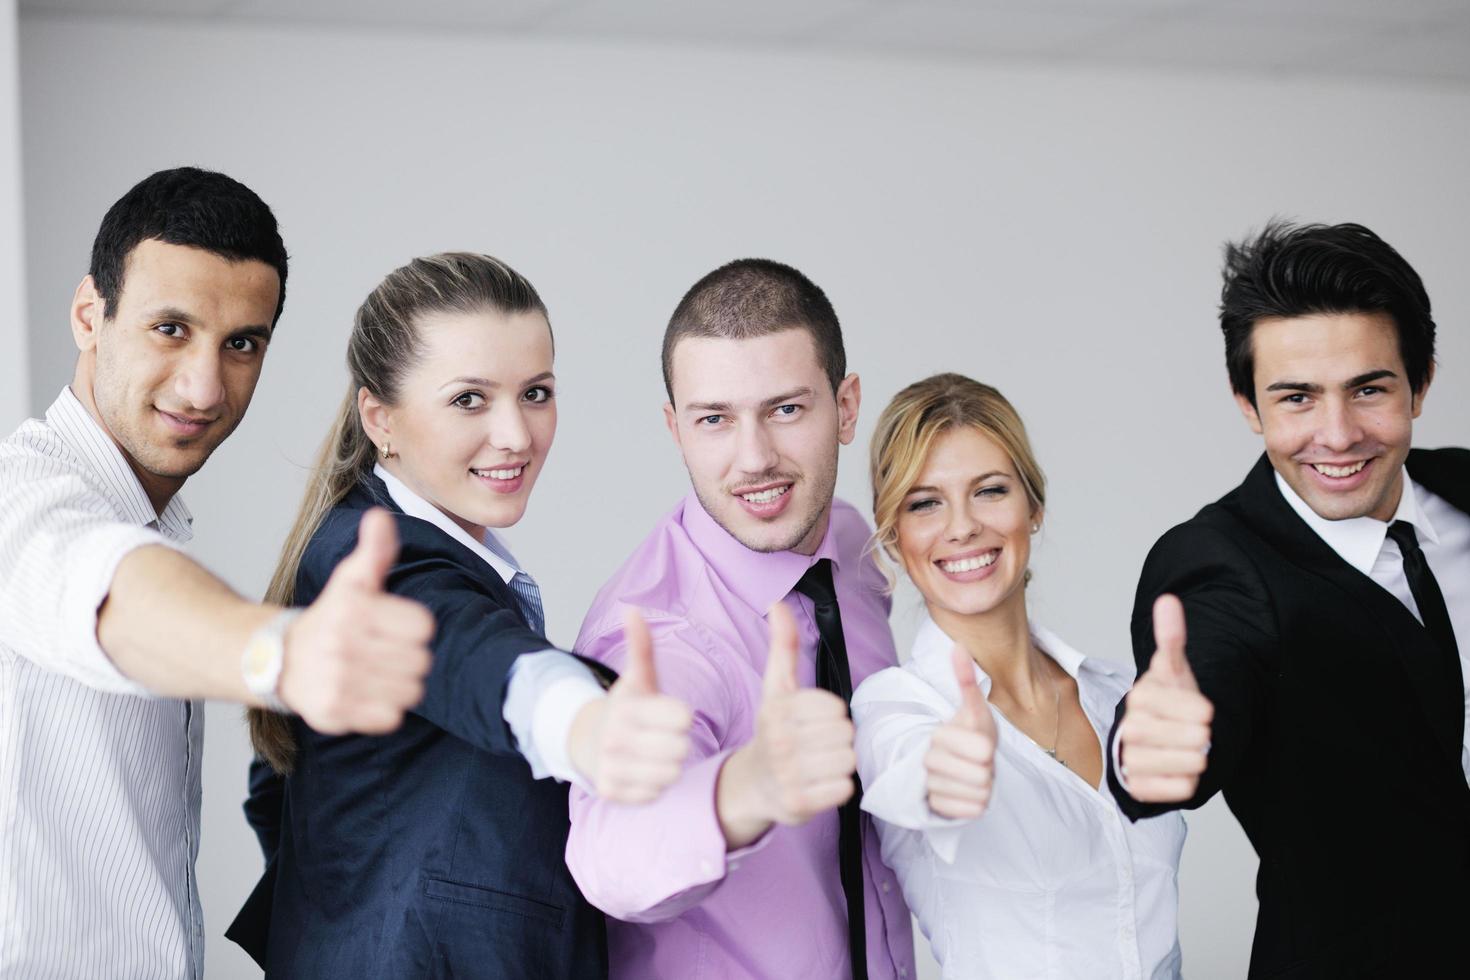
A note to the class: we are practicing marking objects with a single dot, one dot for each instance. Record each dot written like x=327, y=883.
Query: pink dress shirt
x=690, y=909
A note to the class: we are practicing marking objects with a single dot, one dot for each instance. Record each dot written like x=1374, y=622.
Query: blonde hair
x=385, y=344
x=906, y=433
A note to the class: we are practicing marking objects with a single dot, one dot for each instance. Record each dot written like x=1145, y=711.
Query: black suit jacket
x=431, y=851
x=1336, y=739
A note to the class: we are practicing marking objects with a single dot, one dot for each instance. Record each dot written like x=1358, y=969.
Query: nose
x=201, y=383
x=508, y=430
x=1340, y=430
x=755, y=450
x=961, y=526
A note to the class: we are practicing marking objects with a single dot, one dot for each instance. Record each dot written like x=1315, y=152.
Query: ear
x=849, y=397
x=1038, y=516
x=376, y=419
x=671, y=422
x=87, y=314
x=1416, y=405
x=1252, y=417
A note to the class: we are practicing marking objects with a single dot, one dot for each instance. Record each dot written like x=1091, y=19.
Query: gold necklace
x=1056, y=739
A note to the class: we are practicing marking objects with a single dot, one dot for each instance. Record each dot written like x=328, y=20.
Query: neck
x=999, y=641
x=158, y=489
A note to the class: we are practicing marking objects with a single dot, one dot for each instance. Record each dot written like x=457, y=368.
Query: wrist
x=582, y=738
x=263, y=661
x=739, y=803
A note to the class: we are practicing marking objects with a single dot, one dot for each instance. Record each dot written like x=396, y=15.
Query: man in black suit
x=1321, y=685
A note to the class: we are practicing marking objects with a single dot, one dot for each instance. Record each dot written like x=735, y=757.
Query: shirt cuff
x=546, y=691
x=898, y=797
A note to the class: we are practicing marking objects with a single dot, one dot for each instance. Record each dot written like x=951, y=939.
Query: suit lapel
x=1263, y=507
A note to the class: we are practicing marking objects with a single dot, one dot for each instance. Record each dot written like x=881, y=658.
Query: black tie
x=1427, y=596
x=833, y=675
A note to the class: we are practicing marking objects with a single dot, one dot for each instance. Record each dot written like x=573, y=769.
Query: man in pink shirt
x=767, y=612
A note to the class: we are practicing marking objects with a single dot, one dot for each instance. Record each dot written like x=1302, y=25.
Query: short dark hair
x=752, y=298
x=1291, y=270
x=186, y=206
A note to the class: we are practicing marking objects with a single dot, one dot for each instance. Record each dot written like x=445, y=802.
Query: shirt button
x=903, y=971
x=887, y=887
x=706, y=868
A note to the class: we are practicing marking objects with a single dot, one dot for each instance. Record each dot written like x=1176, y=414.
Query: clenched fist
x=800, y=761
x=959, y=768
x=631, y=744
x=356, y=658
x=1165, y=733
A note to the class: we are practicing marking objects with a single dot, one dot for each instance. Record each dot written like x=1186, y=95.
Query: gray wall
x=1055, y=232
x=14, y=390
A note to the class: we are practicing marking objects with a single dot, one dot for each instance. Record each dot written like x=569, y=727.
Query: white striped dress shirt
x=99, y=781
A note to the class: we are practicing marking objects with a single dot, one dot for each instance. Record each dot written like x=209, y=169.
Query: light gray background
x=1053, y=230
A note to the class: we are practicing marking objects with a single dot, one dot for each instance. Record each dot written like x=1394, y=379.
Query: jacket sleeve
x=263, y=806
x=650, y=863
x=1231, y=640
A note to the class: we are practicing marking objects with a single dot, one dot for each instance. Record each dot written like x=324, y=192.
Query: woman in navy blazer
x=435, y=851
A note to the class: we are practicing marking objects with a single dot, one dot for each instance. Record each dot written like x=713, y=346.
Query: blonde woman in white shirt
x=981, y=757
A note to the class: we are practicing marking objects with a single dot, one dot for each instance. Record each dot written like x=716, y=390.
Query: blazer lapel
x=1267, y=511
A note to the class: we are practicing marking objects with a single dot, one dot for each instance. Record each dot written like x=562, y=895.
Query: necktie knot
x=1403, y=535
x=816, y=583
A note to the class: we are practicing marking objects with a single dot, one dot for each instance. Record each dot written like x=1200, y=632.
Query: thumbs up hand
x=802, y=752
x=631, y=744
x=1165, y=732
x=960, y=765
x=356, y=658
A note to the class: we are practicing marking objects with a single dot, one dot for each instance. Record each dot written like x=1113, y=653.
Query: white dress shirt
x=546, y=689
x=99, y=782
x=1444, y=537
x=1052, y=881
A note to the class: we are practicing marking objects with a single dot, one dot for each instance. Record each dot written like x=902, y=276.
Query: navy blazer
x=431, y=851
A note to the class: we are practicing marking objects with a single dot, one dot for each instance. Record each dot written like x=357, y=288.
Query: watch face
x=258, y=656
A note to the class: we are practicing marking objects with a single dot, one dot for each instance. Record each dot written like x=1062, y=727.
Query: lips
x=184, y=425
x=766, y=500
x=970, y=566
x=505, y=478
x=1340, y=475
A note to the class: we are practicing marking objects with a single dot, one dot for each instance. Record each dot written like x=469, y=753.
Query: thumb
x=377, y=548
x=1169, y=661
x=974, y=712
x=638, y=675
x=781, y=660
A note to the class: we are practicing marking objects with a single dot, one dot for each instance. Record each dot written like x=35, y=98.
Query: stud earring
x=1035, y=527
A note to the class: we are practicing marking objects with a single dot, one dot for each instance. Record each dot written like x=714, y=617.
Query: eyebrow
x=487, y=383
x=979, y=479
x=1316, y=389
x=722, y=407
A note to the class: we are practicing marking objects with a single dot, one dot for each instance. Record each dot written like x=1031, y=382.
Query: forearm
x=176, y=629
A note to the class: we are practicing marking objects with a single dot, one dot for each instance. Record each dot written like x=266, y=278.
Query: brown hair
x=752, y=298
x=906, y=432
x=385, y=344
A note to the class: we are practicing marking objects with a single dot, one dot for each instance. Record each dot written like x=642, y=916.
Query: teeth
x=970, y=564
x=500, y=474
x=1339, y=471
x=765, y=496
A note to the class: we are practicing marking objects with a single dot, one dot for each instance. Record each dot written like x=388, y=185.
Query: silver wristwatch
x=265, y=655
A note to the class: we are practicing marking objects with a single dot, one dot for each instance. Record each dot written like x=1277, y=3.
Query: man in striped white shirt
x=108, y=633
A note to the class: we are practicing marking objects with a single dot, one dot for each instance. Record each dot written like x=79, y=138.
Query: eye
x=170, y=329
x=708, y=420
x=243, y=345
x=1370, y=390
x=1295, y=398
x=921, y=505
x=538, y=394
x=786, y=411
x=993, y=490
x=468, y=400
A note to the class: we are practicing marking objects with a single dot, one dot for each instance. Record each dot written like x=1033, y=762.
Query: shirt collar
x=932, y=647
x=69, y=419
x=759, y=579
x=415, y=506
x=1358, y=540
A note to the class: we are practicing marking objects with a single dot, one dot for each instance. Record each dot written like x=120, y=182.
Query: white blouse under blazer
x=1052, y=880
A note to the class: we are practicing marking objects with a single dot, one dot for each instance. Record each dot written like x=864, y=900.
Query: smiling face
x=964, y=528
x=172, y=372
x=1335, y=410
x=758, y=425
x=474, y=418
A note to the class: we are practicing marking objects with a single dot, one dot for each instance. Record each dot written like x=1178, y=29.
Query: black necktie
x=833, y=675
x=1429, y=599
